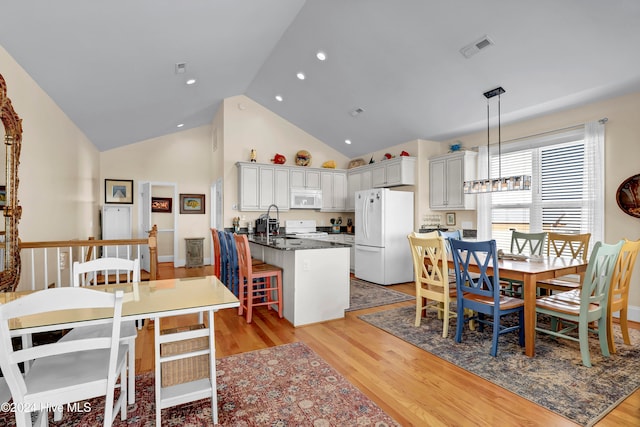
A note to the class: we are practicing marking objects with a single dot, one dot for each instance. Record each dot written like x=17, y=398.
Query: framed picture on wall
x=450, y=218
x=118, y=191
x=191, y=203
x=161, y=204
x=3, y=196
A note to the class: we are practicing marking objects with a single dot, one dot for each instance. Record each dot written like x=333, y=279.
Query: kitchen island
x=315, y=276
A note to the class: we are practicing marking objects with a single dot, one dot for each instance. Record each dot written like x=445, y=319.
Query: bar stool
x=254, y=288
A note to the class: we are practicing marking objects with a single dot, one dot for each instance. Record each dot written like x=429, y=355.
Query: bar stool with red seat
x=256, y=282
x=216, y=252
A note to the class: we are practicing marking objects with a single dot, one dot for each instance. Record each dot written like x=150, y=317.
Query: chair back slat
x=527, y=243
x=597, y=278
x=484, y=255
x=573, y=245
x=81, y=271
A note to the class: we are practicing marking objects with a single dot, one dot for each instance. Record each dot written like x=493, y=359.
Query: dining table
x=530, y=270
x=154, y=300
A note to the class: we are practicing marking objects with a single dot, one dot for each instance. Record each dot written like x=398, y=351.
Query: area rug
x=555, y=378
x=287, y=385
x=367, y=295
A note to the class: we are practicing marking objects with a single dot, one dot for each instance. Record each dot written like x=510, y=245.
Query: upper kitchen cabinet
x=393, y=172
x=260, y=185
x=305, y=178
x=447, y=174
x=334, y=191
x=357, y=179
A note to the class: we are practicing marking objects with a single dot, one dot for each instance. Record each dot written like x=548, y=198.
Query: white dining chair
x=64, y=372
x=128, y=331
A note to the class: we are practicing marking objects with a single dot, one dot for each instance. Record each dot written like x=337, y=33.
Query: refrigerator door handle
x=367, y=248
x=365, y=218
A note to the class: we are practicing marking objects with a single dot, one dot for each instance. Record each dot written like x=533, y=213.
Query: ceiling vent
x=471, y=49
x=356, y=112
x=181, y=67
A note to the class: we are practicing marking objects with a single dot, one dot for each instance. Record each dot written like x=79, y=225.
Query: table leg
x=158, y=374
x=212, y=368
x=530, y=314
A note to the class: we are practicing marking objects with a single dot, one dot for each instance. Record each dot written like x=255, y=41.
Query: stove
x=304, y=229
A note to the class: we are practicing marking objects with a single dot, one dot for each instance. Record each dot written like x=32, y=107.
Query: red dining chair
x=256, y=282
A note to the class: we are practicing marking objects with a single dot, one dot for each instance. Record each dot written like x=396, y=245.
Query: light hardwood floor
x=411, y=385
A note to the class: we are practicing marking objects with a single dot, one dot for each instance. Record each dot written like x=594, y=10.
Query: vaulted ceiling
x=111, y=65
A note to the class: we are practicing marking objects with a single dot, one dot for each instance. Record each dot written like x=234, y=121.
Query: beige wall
x=59, y=166
x=622, y=159
x=183, y=158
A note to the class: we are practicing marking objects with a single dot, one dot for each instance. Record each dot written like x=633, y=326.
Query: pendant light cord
x=499, y=141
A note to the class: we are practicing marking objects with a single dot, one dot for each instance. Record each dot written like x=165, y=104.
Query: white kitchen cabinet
x=350, y=239
x=447, y=174
x=334, y=191
x=394, y=172
x=305, y=178
x=357, y=179
x=260, y=185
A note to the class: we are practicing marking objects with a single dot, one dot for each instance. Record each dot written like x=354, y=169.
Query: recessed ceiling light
x=321, y=55
x=347, y=141
x=180, y=125
x=191, y=81
x=300, y=75
x=279, y=98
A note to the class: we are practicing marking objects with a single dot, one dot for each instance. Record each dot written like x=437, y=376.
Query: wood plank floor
x=411, y=385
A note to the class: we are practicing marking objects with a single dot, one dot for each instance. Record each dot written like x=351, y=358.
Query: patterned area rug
x=367, y=295
x=555, y=378
x=287, y=385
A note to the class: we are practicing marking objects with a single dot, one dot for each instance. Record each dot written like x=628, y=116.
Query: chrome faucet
x=269, y=220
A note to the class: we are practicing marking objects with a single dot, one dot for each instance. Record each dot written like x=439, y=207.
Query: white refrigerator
x=383, y=220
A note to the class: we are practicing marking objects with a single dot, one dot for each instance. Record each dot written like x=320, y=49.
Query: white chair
x=64, y=372
x=5, y=394
x=128, y=332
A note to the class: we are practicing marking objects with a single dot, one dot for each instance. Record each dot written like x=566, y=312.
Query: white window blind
x=554, y=202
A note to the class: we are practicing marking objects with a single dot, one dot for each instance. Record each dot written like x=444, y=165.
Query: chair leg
x=624, y=326
x=495, y=335
x=602, y=335
x=583, y=334
x=131, y=376
x=418, y=310
x=280, y=305
x=521, y=330
x=250, y=295
x=445, y=321
x=459, y=323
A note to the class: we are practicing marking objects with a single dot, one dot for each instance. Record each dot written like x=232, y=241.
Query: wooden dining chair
x=260, y=284
x=64, y=372
x=523, y=244
x=480, y=292
x=216, y=252
x=619, y=291
x=578, y=308
x=130, y=270
x=433, y=288
x=566, y=245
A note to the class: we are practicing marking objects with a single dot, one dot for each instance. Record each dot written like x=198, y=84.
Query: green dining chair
x=523, y=244
x=580, y=307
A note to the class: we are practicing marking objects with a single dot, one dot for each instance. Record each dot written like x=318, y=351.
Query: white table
x=153, y=299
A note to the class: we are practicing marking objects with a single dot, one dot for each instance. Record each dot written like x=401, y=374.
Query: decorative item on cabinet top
x=303, y=158
x=279, y=159
x=329, y=164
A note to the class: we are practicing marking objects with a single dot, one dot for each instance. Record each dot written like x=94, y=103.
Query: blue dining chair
x=455, y=234
x=480, y=292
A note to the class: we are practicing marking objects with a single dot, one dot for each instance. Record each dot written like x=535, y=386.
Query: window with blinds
x=554, y=202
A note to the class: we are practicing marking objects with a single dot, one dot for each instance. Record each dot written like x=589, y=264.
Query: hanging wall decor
x=628, y=196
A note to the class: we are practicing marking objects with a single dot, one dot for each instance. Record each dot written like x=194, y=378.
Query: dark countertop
x=293, y=244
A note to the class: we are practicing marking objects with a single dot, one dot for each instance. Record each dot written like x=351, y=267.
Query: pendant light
x=510, y=183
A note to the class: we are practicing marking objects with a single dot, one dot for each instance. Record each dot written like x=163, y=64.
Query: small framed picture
x=118, y=191
x=191, y=203
x=3, y=196
x=161, y=204
x=451, y=218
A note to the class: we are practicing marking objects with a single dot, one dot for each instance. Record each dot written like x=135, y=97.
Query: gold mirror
x=10, y=274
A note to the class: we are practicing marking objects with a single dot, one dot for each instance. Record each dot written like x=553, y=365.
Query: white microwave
x=303, y=198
